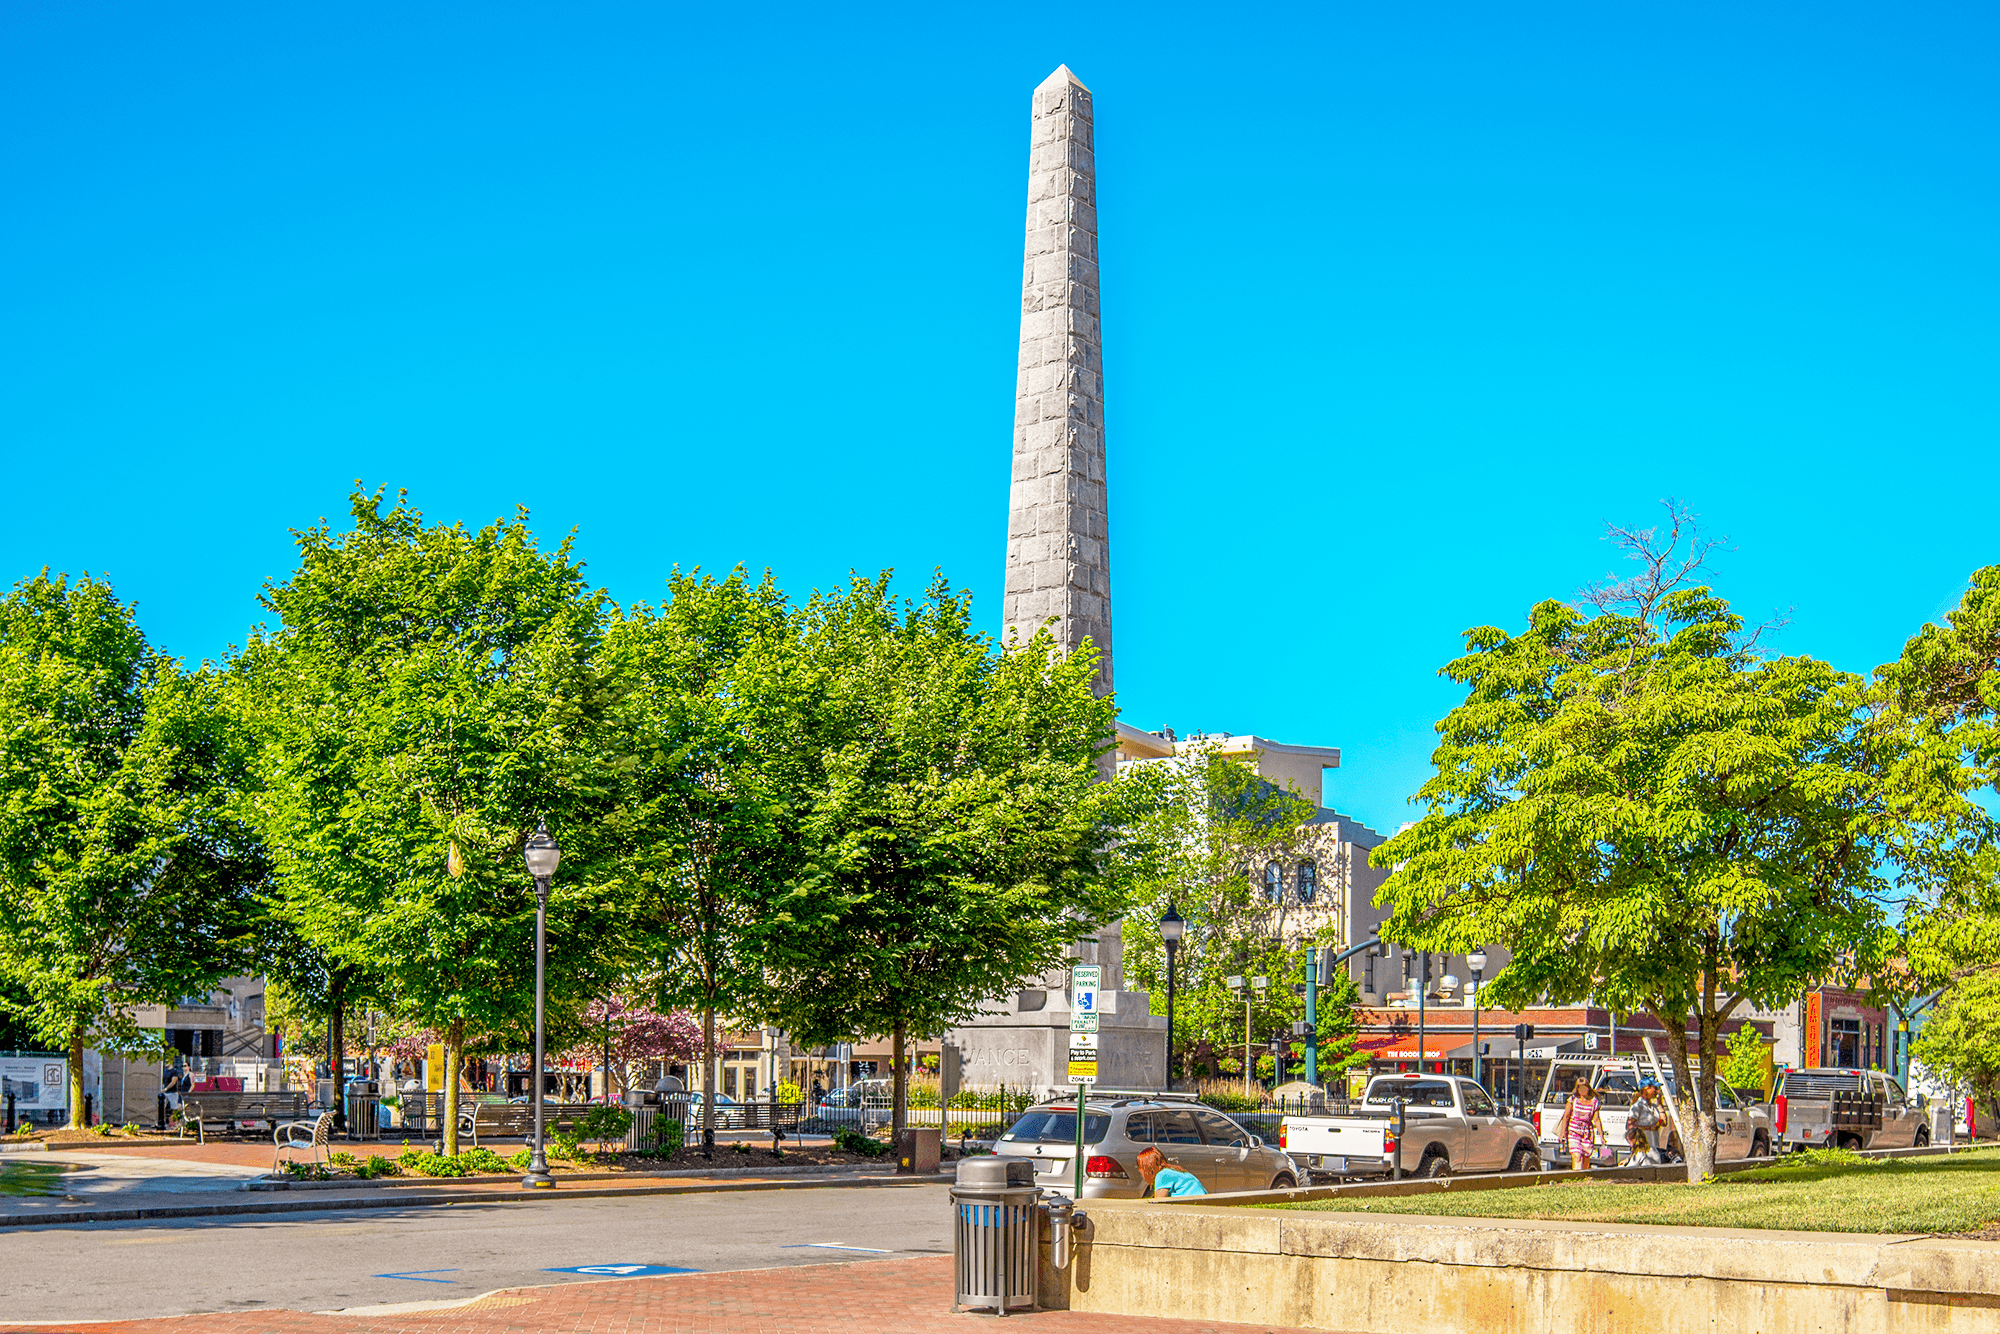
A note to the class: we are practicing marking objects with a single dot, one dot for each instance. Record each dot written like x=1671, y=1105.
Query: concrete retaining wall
x=1442, y=1275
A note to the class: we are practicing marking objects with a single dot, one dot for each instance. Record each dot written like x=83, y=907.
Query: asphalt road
x=347, y=1259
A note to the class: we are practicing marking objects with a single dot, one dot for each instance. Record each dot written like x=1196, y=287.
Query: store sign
x=35, y=1083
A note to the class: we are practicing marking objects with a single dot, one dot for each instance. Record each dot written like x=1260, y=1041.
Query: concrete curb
x=55, y=1218
x=32, y=1146
x=677, y=1173
x=1515, y=1180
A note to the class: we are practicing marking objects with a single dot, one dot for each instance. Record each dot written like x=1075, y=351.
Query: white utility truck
x=1849, y=1109
x=1448, y=1124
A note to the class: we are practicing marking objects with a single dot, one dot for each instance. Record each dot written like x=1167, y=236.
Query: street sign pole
x=1312, y=1015
x=1083, y=984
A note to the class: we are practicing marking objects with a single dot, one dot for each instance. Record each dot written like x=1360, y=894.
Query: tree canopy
x=1650, y=813
x=952, y=837
x=428, y=695
x=125, y=877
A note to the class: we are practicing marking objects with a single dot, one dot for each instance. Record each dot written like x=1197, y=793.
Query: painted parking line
x=417, y=1276
x=620, y=1271
x=833, y=1246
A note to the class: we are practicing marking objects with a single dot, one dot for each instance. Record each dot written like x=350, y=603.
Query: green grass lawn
x=1829, y=1192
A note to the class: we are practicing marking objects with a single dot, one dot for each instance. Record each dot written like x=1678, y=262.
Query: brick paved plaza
x=881, y=1297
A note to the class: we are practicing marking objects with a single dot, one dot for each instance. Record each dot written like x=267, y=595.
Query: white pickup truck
x=1449, y=1124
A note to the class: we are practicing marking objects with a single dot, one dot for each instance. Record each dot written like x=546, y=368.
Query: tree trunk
x=336, y=1045
x=710, y=1082
x=76, y=1119
x=899, y=1100
x=454, y=1043
x=1696, y=1128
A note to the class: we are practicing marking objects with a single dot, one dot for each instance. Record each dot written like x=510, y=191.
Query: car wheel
x=1760, y=1147
x=1851, y=1142
x=1525, y=1160
x=1923, y=1140
x=1284, y=1181
x=1436, y=1165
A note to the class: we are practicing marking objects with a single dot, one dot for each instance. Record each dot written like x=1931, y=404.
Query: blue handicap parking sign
x=620, y=1271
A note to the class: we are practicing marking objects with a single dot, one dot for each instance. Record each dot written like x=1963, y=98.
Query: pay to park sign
x=1083, y=984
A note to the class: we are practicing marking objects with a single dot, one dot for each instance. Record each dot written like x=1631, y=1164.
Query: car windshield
x=1040, y=1127
x=1413, y=1092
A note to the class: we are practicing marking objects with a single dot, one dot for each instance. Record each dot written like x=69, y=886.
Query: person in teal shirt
x=1164, y=1182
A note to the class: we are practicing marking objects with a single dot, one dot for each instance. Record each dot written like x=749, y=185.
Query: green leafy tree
x=1937, y=727
x=1745, y=1068
x=698, y=831
x=1650, y=813
x=1960, y=1042
x=428, y=696
x=1205, y=828
x=952, y=836
x=124, y=876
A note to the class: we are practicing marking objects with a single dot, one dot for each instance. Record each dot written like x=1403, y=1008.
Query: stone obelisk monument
x=1058, y=545
x=1058, y=568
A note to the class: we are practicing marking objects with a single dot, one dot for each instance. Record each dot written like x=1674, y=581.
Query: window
x=1175, y=1127
x=1476, y=1101
x=1413, y=1092
x=1139, y=1128
x=1308, y=881
x=1221, y=1130
x=1274, y=881
x=1724, y=1096
x=1059, y=1128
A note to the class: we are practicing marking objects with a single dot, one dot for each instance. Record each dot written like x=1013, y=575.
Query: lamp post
x=1475, y=963
x=541, y=854
x=1172, y=927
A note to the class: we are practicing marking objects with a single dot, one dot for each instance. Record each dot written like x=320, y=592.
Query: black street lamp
x=1172, y=927
x=541, y=854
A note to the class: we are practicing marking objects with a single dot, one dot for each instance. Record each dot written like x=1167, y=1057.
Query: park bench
x=228, y=1112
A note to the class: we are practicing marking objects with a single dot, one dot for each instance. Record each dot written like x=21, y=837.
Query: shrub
x=345, y=1162
x=669, y=1136
x=790, y=1092
x=568, y=1148
x=865, y=1146
x=305, y=1171
x=377, y=1166
x=483, y=1160
x=604, y=1123
x=740, y=1147
x=427, y=1164
x=1229, y=1100
x=103, y=1128
x=519, y=1161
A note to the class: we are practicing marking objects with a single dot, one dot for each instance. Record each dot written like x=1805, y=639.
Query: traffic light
x=1523, y=1032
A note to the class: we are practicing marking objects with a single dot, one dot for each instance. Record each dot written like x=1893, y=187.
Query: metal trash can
x=364, y=1101
x=994, y=1243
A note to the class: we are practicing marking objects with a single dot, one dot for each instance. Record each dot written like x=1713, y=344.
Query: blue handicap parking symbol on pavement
x=620, y=1271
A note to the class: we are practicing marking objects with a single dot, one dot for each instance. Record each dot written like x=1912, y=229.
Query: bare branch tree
x=1671, y=557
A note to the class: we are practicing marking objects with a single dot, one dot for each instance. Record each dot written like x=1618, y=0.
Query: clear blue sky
x=1401, y=305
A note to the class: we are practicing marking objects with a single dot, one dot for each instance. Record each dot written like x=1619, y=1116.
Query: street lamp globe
x=1476, y=961
x=1233, y=983
x=1448, y=983
x=1260, y=982
x=541, y=853
x=1172, y=927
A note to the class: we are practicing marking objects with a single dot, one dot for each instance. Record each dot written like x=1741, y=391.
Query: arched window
x=1274, y=881
x=1308, y=881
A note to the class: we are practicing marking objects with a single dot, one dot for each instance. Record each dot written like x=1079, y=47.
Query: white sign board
x=36, y=1083
x=1084, y=979
x=1538, y=1053
x=1083, y=982
x=149, y=1016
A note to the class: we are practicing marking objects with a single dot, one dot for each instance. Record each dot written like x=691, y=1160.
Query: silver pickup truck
x=1449, y=1125
x=1849, y=1109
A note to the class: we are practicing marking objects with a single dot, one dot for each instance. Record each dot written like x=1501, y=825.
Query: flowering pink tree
x=638, y=1033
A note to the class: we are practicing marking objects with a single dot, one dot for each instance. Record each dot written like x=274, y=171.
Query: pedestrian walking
x=1582, y=1126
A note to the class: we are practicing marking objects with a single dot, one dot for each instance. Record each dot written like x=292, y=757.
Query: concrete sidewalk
x=882, y=1297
